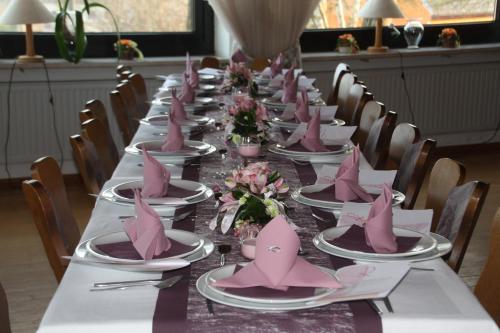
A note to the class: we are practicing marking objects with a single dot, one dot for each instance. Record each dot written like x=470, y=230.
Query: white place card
x=312, y=95
x=326, y=112
x=329, y=135
x=371, y=180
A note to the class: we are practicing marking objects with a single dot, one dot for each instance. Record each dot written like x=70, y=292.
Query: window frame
x=324, y=40
x=152, y=44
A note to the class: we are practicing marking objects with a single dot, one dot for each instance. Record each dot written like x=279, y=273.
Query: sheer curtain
x=264, y=28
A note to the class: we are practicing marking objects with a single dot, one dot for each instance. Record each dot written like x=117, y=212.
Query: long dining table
x=434, y=300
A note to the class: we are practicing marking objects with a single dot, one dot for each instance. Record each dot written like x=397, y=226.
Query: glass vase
x=413, y=32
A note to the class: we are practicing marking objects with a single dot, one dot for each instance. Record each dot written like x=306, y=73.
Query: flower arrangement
x=252, y=197
x=346, y=43
x=128, y=49
x=249, y=119
x=449, y=38
x=239, y=75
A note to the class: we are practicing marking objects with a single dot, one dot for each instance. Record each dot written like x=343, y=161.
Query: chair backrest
x=44, y=213
x=487, y=288
x=459, y=218
x=412, y=169
x=445, y=175
x=259, y=64
x=371, y=111
x=141, y=93
x=4, y=312
x=130, y=101
x=96, y=133
x=377, y=142
x=340, y=71
x=88, y=163
x=122, y=117
x=404, y=136
x=95, y=109
x=356, y=99
x=47, y=172
x=346, y=81
x=122, y=72
x=210, y=62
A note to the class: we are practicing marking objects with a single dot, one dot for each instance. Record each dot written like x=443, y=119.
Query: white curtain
x=264, y=28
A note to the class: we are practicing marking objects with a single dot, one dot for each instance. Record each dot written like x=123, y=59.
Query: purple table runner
x=183, y=309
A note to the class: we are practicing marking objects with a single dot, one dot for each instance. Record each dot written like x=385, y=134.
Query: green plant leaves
x=71, y=47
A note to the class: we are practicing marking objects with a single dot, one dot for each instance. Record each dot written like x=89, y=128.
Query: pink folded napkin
x=239, y=56
x=347, y=186
x=277, y=65
x=146, y=230
x=378, y=226
x=156, y=177
x=276, y=263
x=194, y=78
x=290, y=87
x=302, y=108
x=174, y=140
x=177, y=111
x=188, y=93
x=311, y=140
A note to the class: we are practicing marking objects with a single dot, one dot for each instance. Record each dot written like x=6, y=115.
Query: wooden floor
x=29, y=282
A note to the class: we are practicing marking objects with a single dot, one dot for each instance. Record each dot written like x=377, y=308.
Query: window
x=475, y=21
x=160, y=27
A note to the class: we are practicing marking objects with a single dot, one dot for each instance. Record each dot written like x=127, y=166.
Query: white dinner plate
x=284, y=150
x=199, y=189
x=321, y=158
x=181, y=236
x=424, y=245
x=180, y=76
x=198, y=148
x=442, y=248
x=397, y=197
x=193, y=121
x=227, y=271
x=198, y=101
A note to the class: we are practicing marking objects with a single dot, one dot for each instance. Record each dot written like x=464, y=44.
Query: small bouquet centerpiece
x=238, y=77
x=449, y=38
x=127, y=49
x=346, y=43
x=249, y=123
x=252, y=198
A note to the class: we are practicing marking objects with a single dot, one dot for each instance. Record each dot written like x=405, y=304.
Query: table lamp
x=379, y=9
x=27, y=12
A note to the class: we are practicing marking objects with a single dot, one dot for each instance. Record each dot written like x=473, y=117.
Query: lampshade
x=380, y=9
x=26, y=12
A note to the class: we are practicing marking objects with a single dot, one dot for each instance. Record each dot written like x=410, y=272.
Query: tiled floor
x=29, y=282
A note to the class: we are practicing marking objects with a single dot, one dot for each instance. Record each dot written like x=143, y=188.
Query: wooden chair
x=44, y=213
x=130, y=101
x=404, y=136
x=445, y=175
x=122, y=72
x=94, y=131
x=412, y=170
x=356, y=98
x=259, y=64
x=125, y=123
x=371, y=111
x=210, y=62
x=377, y=142
x=340, y=70
x=88, y=164
x=345, y=84
x=487, y=288
x=47, y=171
x=459, y=218
x=95, y=109
x=141, y=93
x=4, y=312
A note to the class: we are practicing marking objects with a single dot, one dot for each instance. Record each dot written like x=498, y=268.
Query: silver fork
x=167, y=283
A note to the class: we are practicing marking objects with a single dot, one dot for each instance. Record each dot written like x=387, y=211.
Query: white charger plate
x=292, y=125
x=227, y=271
x=442, y=248
x=181, y=183
x=329, y=158
x=181, y=236
x=345, y=148
x=200, y=148
x=424, y=245
x=193, y=121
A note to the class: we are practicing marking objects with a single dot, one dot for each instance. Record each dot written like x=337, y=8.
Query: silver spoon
x=162, y=285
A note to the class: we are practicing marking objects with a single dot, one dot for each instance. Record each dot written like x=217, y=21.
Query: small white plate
x=227, y=271
x=181, y=236
x=424, y=245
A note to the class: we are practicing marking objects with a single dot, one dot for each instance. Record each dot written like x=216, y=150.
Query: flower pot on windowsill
x=345, y=49
x=451, y=44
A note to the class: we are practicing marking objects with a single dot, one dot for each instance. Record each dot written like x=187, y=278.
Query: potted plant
x=127, y=49
x=449, y=38
x=70, y=31
x=346, y=43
